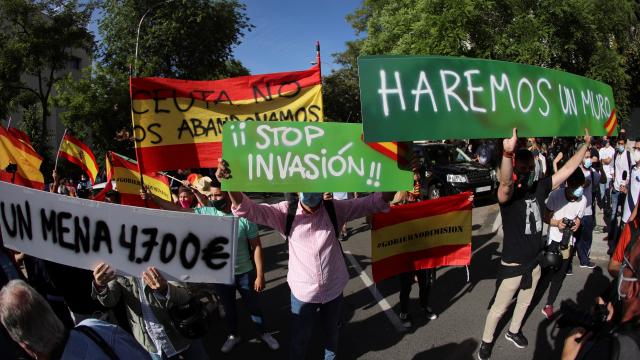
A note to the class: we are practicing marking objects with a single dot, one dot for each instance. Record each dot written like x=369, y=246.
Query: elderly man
x=31, y=323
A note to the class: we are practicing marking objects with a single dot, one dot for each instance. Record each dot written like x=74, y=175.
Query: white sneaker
x=229, y=344
x=271, y=342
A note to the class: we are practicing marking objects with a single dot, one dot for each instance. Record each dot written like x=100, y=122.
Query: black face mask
x=220, y=204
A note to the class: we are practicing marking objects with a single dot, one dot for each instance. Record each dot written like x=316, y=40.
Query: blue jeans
x=244, y=285
x=196, y=351
x=603, y=189
x=584, y=237
x=304, y=316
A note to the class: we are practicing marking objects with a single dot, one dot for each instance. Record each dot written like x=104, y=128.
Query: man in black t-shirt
x=521, y=203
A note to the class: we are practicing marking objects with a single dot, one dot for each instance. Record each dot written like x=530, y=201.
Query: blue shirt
x=80, y=346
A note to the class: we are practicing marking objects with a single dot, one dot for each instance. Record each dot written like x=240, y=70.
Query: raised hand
x=155, y=280
x=509, y=145
x=223, y=172
x=587, y=137
x=102, y=274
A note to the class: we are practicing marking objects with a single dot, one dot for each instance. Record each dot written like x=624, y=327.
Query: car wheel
x=434, y=192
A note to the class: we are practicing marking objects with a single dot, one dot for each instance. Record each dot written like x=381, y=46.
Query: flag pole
x=318, y=57
x=55, y=168
x=133, y=132
x=9, y=124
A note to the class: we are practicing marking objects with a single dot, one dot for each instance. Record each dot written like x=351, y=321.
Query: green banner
x=435, y=97
x=318, y=157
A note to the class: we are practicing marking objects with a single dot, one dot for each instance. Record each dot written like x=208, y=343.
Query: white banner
x=82, y=233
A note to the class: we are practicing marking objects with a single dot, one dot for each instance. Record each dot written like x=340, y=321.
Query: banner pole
x=9, y=124
x=133, y=132
x=55, y=168
x=318, y=57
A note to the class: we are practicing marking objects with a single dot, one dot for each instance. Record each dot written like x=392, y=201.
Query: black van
x=447, y=170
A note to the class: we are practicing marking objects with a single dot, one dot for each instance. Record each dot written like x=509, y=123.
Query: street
x=370, y=332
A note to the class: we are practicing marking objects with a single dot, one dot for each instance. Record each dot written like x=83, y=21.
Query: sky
x=286, y=31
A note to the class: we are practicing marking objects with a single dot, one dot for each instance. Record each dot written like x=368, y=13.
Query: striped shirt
x=317, y=272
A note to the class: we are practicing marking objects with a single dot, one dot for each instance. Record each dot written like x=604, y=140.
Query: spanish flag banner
x=27, y=160
x=20, y=135
x=124, y=172
x=77, y=152
x=178, y=123
x=612, y=123
x=421, y=235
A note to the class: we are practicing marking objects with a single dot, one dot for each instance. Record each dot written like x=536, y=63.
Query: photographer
x=611, y=332
x=565, y=207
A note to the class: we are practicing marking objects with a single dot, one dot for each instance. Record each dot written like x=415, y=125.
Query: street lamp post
x=135, y=60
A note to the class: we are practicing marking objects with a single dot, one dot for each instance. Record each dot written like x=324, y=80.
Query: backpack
x=291, y=214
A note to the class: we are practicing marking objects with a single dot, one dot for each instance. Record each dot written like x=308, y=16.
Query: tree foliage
x=37, y=42
x=189, y=39
x=594, y=38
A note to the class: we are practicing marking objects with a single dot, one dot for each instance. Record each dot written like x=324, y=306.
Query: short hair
x=523, y=155
x=576, y=179
x=182, y=189
x=29, y=319
x=115, y=194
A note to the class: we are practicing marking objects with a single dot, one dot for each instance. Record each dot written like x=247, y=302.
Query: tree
x=596, y=39
x=172, y=44
x=340, y=88
x=189, y=39
x=37, y=41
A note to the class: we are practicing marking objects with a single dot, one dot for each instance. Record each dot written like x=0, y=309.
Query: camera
x=574, y=316
x=566, y=233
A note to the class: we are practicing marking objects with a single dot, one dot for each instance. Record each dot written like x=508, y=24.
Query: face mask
x=636, y=155
x=219, y=204
x=185, y=204
x=311, y=199
x=586, y=163
x=577, y=193
x=620, y=149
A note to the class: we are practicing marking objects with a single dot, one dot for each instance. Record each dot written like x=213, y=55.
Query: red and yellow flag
x=28, y=161
x=421, y=235
x=611, y=123
x=79, y=153
x=124, y=172
x=20, y=135
x=178, y=123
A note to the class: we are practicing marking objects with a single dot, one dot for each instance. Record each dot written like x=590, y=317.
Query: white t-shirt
x=563, y=208
x=634, y=188
x=607, y=152
x=621, y=165
x=340, y=196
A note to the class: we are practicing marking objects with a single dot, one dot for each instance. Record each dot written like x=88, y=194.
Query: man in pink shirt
x=317, y=271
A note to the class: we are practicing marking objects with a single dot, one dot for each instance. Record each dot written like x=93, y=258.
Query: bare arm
x=572, y=164
x=556, y=161
x=256, y=246
x=505, y=190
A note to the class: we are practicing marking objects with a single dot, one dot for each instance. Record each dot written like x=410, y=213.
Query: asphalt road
x=368, y=332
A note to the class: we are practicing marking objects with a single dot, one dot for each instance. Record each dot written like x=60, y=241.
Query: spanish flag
x=611, y=123
x=20, y=135
x=78, y=153
x=124, y=173
x=421, y=235
x=28, y=161
x=178, y=123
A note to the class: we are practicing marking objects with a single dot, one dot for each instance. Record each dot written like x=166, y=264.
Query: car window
x=445, y=155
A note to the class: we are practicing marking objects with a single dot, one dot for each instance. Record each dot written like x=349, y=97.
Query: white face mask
x=636, y=155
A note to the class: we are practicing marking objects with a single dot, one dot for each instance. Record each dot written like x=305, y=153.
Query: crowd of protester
x=52, y=311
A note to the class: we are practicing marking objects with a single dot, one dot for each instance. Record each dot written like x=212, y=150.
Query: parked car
x=447, y=170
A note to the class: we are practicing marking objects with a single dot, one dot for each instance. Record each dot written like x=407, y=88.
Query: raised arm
x=572, y=164
x=505, y=190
